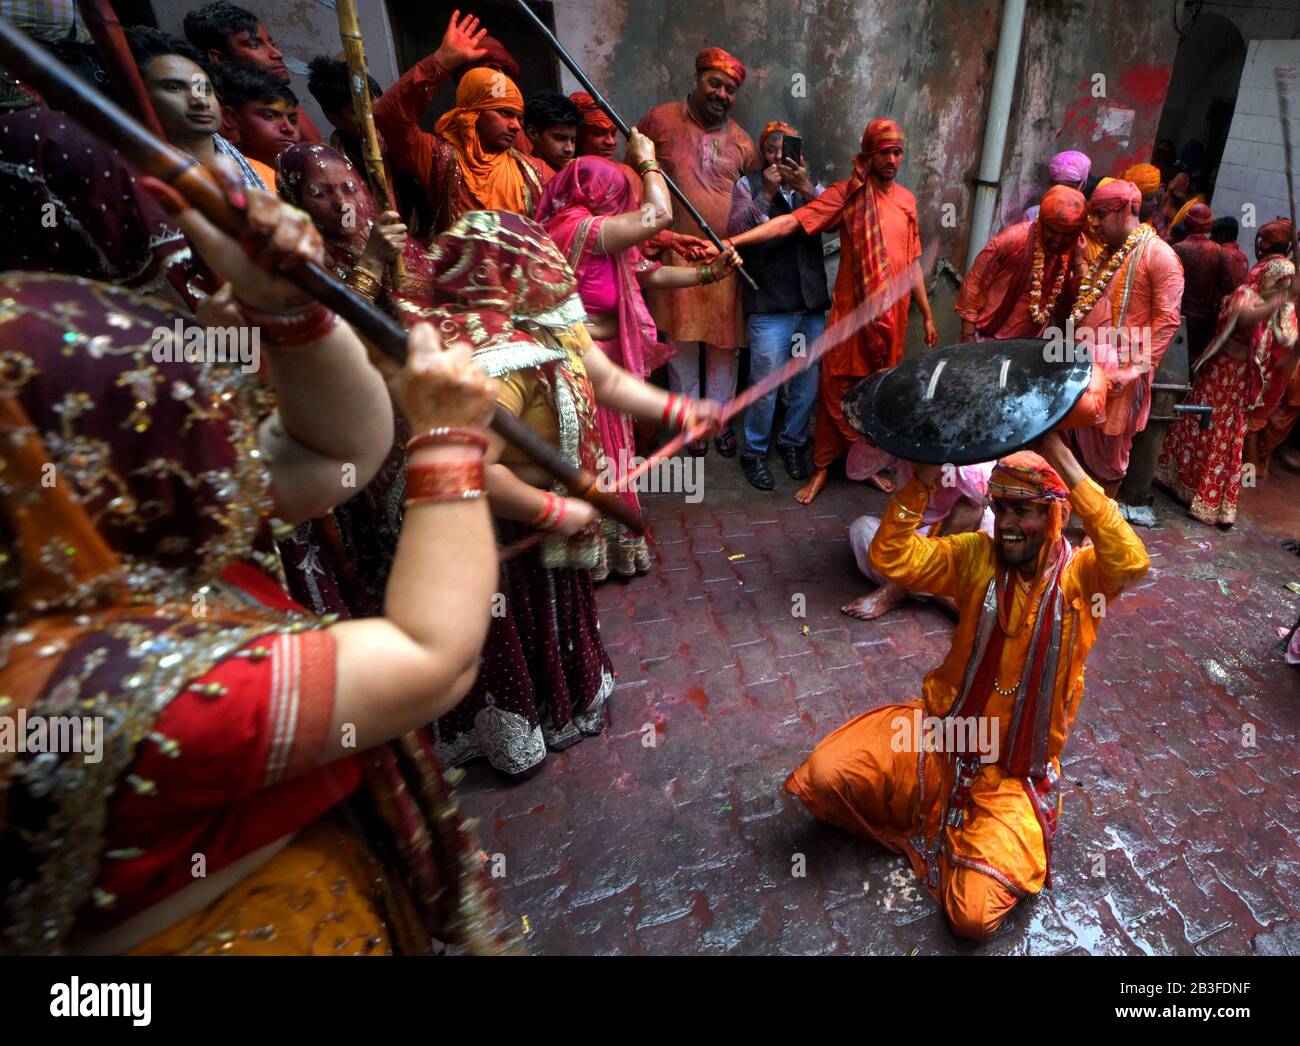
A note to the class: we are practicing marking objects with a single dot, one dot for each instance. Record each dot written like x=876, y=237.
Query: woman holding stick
x=592, y=212
x=237, y=732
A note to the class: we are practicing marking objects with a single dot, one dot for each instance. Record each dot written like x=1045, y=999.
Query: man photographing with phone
x=787, y=314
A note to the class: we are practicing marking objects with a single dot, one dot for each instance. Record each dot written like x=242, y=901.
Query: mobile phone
x=792, y=149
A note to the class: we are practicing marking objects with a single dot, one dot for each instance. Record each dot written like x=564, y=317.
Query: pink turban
x=1115, y=196
x=1070, y=167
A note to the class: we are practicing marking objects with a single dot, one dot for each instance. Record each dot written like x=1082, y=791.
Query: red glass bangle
x=442, y=481
x=443, y=436
x=290, y=330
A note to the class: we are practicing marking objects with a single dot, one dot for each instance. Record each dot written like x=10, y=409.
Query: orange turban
x=1026, y=476
x=1115, y=195
x=717, y=58
x=1063, y=209
x=593, y=116
x=1146, y=176
x=881, y=132
x=492, y=179
x=775, y=127
x=1276, y=233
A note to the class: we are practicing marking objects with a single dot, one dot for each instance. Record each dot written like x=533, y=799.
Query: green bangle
x=706, y=274
x=646, y=166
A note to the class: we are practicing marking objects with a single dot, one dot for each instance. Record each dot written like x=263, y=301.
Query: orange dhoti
x=873, y=777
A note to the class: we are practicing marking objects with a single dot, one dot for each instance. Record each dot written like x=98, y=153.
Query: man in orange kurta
x=880, y=240
x=1127, y=313
x=965, y=781
x=1023, y=280
x=705, y=152
x=470, y=162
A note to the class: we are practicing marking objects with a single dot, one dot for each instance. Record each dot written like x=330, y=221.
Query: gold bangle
x=364, y=283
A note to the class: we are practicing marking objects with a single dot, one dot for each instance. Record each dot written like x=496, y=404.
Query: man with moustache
x=977, y=826
x=705, y=152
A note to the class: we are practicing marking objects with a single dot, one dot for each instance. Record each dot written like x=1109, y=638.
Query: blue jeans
x=771, y=344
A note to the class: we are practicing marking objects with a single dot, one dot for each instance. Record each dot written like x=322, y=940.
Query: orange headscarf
x=593, y=116
x=881, y=132
x=775, y=127
x=717, y=58
x=492, y=180
x=1063, y=209
x=1146, y=176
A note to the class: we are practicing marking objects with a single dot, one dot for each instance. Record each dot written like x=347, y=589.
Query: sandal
x=697, y=448
x=726, y=443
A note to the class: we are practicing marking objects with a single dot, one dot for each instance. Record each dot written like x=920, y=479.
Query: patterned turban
x=1115, y=196
x=1276, y=233
x=1146, y=176
x=1199, y=218
x=1026, y=476
x=1070, y=167
x=717, y=58
x=1063, y=210
x=593, y=116
x=775, y=127
x=881, y=132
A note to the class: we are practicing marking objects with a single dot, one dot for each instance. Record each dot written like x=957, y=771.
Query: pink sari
x=572, y=209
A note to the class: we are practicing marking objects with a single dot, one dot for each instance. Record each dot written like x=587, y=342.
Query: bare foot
x=881, y=483
x=812, y=488
x=876, y=604
x=1289, y=457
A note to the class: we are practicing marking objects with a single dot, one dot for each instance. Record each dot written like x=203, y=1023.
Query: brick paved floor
x=688, y=846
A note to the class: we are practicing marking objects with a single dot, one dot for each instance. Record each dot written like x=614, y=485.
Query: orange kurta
x=705, y=164
x=872, y=777
x=846, y=364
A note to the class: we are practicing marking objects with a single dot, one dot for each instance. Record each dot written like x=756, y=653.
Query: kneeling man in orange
x=965, y=781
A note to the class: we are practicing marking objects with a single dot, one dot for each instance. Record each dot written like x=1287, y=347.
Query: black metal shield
x=971, y=402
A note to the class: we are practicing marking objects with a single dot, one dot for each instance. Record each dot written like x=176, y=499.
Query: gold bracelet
x=364, y=283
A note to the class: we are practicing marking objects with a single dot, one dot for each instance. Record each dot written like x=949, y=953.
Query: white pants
x=721, y=367
x=864, y=528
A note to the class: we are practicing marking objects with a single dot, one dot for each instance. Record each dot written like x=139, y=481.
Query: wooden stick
x=152, y=156
x=876, y=305
x=626, y=131
x=354, y=49
x=110, y=42
x=1284, y=77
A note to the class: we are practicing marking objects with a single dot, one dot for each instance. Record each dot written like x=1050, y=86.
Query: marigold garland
x=1094, y=285
x=1039, y=311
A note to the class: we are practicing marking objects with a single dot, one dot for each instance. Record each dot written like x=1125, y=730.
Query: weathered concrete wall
x=303, y=29
x=1088, y=81
x=926, y=64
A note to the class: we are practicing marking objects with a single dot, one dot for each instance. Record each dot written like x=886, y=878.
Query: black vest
x=790, y=272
